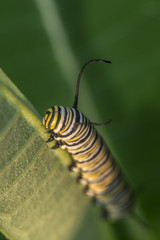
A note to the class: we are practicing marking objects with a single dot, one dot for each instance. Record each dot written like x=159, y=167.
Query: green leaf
x=38, y=196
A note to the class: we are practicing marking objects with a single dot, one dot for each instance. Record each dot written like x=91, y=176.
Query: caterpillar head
x=51, y=117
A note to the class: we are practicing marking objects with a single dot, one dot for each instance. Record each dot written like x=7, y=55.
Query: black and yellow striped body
x=92, y=158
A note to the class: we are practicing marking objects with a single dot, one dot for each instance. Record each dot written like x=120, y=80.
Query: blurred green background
x=43, y=45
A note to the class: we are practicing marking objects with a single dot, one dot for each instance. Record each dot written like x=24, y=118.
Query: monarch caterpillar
x=91, y=157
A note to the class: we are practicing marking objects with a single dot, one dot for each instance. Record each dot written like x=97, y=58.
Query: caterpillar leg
x=88, y=192
x=82, y=181
x=49, y=131
x=73, y=168
x=55, y=146
x=50, y=139
x=104, y=213
x=94, y=200
x=58, y=144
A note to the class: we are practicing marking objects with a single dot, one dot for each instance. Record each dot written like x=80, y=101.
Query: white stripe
x=61, y=120
x=73, y=120
x=71, y=127
x=103, y=177
x=101, y=162
x=87, y=146
x=79, y=139
x=90, y=156
x=67, y=118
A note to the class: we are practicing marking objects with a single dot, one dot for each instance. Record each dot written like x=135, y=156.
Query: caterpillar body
x=91, y=157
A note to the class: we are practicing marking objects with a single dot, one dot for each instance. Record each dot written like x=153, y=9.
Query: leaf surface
x=38, y=196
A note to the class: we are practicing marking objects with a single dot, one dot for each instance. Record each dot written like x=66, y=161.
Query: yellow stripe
x=44, y=120
x=124, y=198
x=121, y=202
x=103, y=186
x=115, y=190
x=53, y=124
x=69, y=121
x=82, y=147
x=48, y=116
x=84, y=156
x=77, y=135
x=95, y=175
x=92, y=164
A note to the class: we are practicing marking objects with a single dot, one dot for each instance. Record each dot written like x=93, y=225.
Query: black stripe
x=85, y=140
x=95, y=169
x=64, y=121
x=81, y=138
x=119, y=195
x=71, y=121
x=47, y=113
x=53, y=113
x=126, y=205
x=112, y=185
x=59, y=117
x=99, y=179
x=116, y=198
x=94, y=156
x=77, y=116
x=63, y=136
